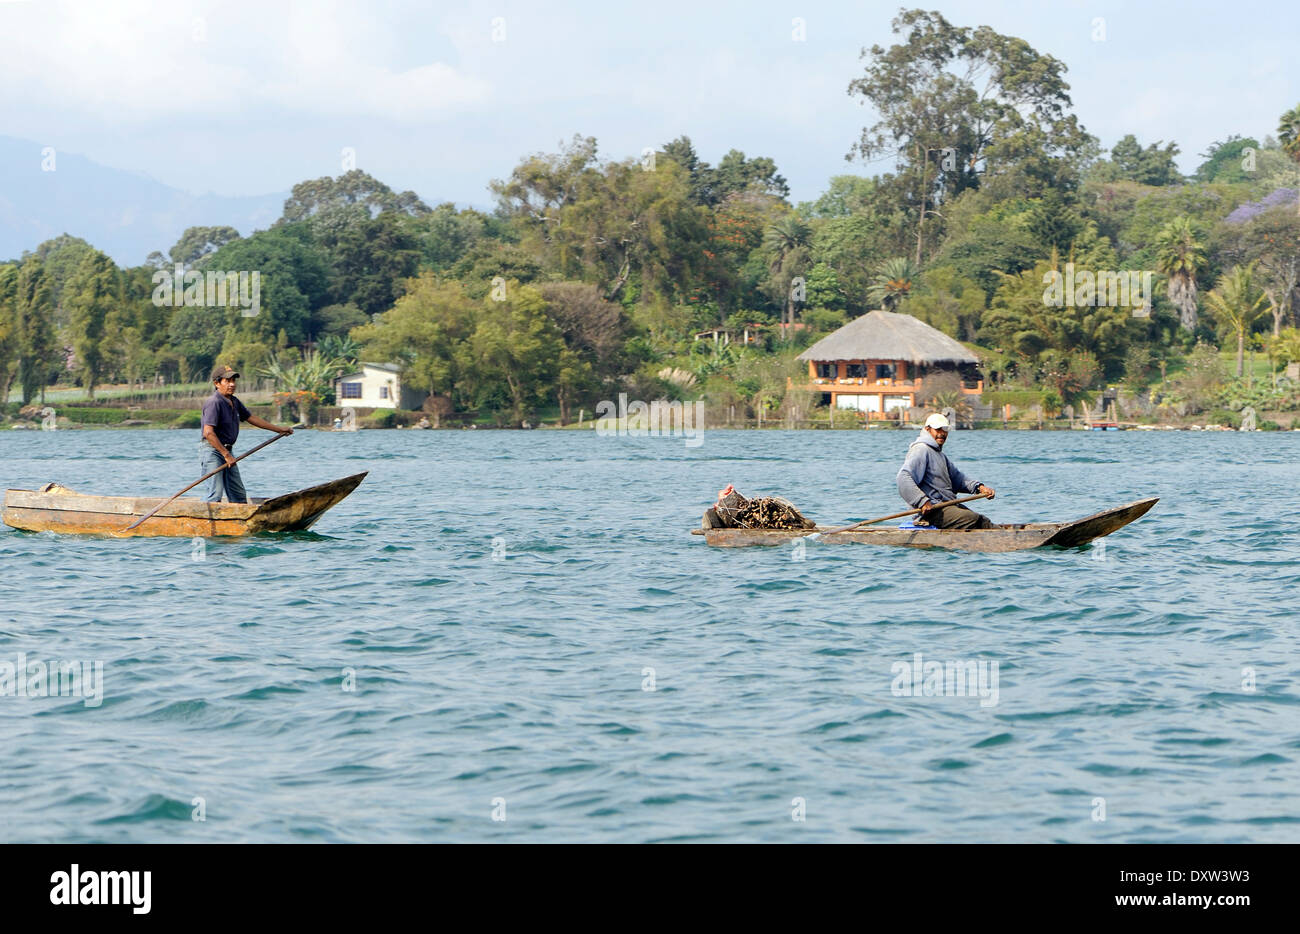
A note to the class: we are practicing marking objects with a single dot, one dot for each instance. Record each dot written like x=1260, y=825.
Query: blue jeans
x=228, y=483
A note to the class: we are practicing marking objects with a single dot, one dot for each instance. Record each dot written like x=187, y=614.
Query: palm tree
x=1283, y=348
x=892, y=283
x=781, y=239
x=957, y=401
x=306, y=384
x=1288, y=132
x=1180, y=255
x=1237, y=302
x=339, y=347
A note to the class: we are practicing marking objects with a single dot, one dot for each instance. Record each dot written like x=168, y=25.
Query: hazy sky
x=244, y=97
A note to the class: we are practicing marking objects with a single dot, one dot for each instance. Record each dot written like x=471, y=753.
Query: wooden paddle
x=897, y=515
x=211, y=473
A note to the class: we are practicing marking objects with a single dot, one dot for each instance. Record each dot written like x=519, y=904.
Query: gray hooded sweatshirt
x=927, y=473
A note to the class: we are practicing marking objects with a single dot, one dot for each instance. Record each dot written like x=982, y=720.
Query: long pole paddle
x=897, y=515
x=211, y=473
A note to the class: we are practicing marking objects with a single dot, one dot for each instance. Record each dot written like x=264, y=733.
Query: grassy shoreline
x=182, y=410
x=10, y=424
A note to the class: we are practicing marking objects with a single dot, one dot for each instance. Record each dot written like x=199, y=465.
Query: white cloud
x=139, y=61
x=267, y=92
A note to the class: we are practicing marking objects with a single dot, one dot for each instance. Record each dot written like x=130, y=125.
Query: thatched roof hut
x=886, y=335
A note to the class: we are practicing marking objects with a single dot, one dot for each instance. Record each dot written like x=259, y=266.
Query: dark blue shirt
x=224, y=417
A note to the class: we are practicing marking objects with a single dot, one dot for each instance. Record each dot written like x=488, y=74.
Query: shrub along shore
x=1025, y=414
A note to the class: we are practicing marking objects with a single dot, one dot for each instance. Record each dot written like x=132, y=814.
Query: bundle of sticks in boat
x=764, y=512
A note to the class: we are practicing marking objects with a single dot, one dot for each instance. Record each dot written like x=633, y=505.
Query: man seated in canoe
x=928, y=477
x=222, y=413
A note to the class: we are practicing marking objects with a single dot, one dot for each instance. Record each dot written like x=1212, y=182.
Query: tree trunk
x=516, y=396
x=1241, y=350
x=621, y=281
x=920, y=221
x=1182, y=292
x=1276, y=310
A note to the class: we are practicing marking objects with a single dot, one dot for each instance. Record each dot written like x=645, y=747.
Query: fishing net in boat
x=734, y=511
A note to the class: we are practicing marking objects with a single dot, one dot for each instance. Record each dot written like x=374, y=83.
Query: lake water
x=512, y=636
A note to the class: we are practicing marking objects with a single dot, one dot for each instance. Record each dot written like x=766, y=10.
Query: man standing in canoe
x=928, y=477
x=222, y=413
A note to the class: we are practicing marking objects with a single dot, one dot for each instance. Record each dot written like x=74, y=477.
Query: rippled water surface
x=507, y=600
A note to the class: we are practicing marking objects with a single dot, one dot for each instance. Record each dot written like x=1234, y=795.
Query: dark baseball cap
x=224, y=372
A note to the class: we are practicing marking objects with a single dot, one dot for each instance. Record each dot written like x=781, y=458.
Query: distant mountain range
x=126, y=214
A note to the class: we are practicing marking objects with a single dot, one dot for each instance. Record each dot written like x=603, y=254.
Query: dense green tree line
x=592, y=276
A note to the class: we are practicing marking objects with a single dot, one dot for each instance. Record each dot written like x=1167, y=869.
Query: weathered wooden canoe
x=58, y=509
x=1001, y=538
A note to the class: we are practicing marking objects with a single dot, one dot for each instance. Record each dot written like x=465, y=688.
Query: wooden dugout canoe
x=58, y=509
x=1000, y=538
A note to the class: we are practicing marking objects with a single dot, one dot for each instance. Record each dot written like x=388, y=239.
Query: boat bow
x=1082, y=531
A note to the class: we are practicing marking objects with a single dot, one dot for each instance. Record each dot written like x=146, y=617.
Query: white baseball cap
x=936, y=420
